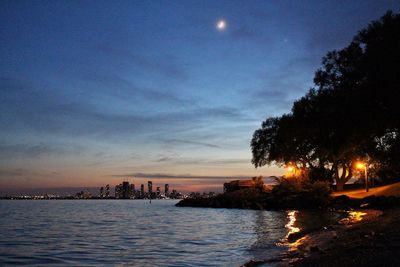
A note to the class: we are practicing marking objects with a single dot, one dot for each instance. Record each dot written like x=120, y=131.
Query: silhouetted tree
x=353, y=112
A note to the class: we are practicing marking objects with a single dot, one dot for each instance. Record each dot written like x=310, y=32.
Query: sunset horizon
x=91, y=97
x=199, y=133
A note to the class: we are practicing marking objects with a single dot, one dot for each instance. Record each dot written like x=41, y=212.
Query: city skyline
x=137, y=186
x=92, y=92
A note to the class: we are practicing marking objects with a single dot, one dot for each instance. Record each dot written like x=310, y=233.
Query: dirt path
x=386, y=190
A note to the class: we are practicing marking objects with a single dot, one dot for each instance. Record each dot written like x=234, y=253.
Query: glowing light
x=291, y=170
x=356, y=216
x=290, y=225
x=293, y=245
x=360, y=165
x=353, y=217
x=221, y=25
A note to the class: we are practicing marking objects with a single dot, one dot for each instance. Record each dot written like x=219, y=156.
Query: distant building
x=101, y=192
x=83, y=194
x=126, y=190
x=150, y=187
x=142, y=190
x=123, y=190
x=166, y=190
x=107, y=191
x=176, y=195
x=118, y=191
x=238, y=185
x=132, y=191
x=158, y=192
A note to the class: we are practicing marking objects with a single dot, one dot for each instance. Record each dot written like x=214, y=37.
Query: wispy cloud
x=189, y=142
x=176, y=176
x=5, y=173
x=248, y=34
x=26, y=174
x=167, y=65
x=125, y=89
x=10, y=151
x=45, y=111
x=202, y=162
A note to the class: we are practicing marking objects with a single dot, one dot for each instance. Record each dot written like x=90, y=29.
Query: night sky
x=92, y=92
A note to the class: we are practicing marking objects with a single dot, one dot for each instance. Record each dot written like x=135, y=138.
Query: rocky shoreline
x=256, y=199
x=372, y=241
x=369, y=238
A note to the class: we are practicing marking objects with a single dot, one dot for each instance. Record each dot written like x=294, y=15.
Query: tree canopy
x=352, y=113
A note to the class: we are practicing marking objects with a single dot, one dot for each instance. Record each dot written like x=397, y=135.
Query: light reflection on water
x=292, y=229
x=355, y=216
x=290, y=225
x=117, y=232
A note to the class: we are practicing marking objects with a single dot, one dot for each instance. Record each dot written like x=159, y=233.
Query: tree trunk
x=339, y=185
x=344, y=178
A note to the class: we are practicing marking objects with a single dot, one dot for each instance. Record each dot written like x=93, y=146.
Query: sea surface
x=139, y=233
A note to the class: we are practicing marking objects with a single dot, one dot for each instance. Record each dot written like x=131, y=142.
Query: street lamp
x=291, y=169
x=363, y=166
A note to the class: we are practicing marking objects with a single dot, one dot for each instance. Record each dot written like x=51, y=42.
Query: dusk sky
x=94, y=92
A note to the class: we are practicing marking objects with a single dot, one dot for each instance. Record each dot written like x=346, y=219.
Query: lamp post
x=291, y=169
x=363, y=166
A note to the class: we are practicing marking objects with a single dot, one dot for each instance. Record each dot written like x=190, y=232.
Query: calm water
x=118, y=232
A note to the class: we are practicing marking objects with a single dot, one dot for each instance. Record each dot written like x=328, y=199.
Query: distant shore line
x=93, y=198
x=260, y=200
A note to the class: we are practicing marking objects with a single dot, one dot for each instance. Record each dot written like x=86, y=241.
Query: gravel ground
x=374, y=241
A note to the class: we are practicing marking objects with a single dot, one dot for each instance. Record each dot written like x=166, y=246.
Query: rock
x=252, y=263
x=353, y=228
x=294, y=236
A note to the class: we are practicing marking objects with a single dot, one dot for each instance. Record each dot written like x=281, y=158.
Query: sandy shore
x=371, y=239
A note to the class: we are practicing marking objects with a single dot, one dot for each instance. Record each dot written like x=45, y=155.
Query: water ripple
x=126, y=233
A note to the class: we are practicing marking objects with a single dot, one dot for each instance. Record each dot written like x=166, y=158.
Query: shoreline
x=372, y=241
x=320, y=241
x=366, y=238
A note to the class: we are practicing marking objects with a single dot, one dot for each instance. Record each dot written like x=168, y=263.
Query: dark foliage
x=352, y=113
x=240, y=199
x=286, y=195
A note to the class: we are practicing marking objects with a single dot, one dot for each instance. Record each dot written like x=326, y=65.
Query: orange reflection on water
x=356, y=216
x=290, y=225
x=292, y=229
x=353, y=217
